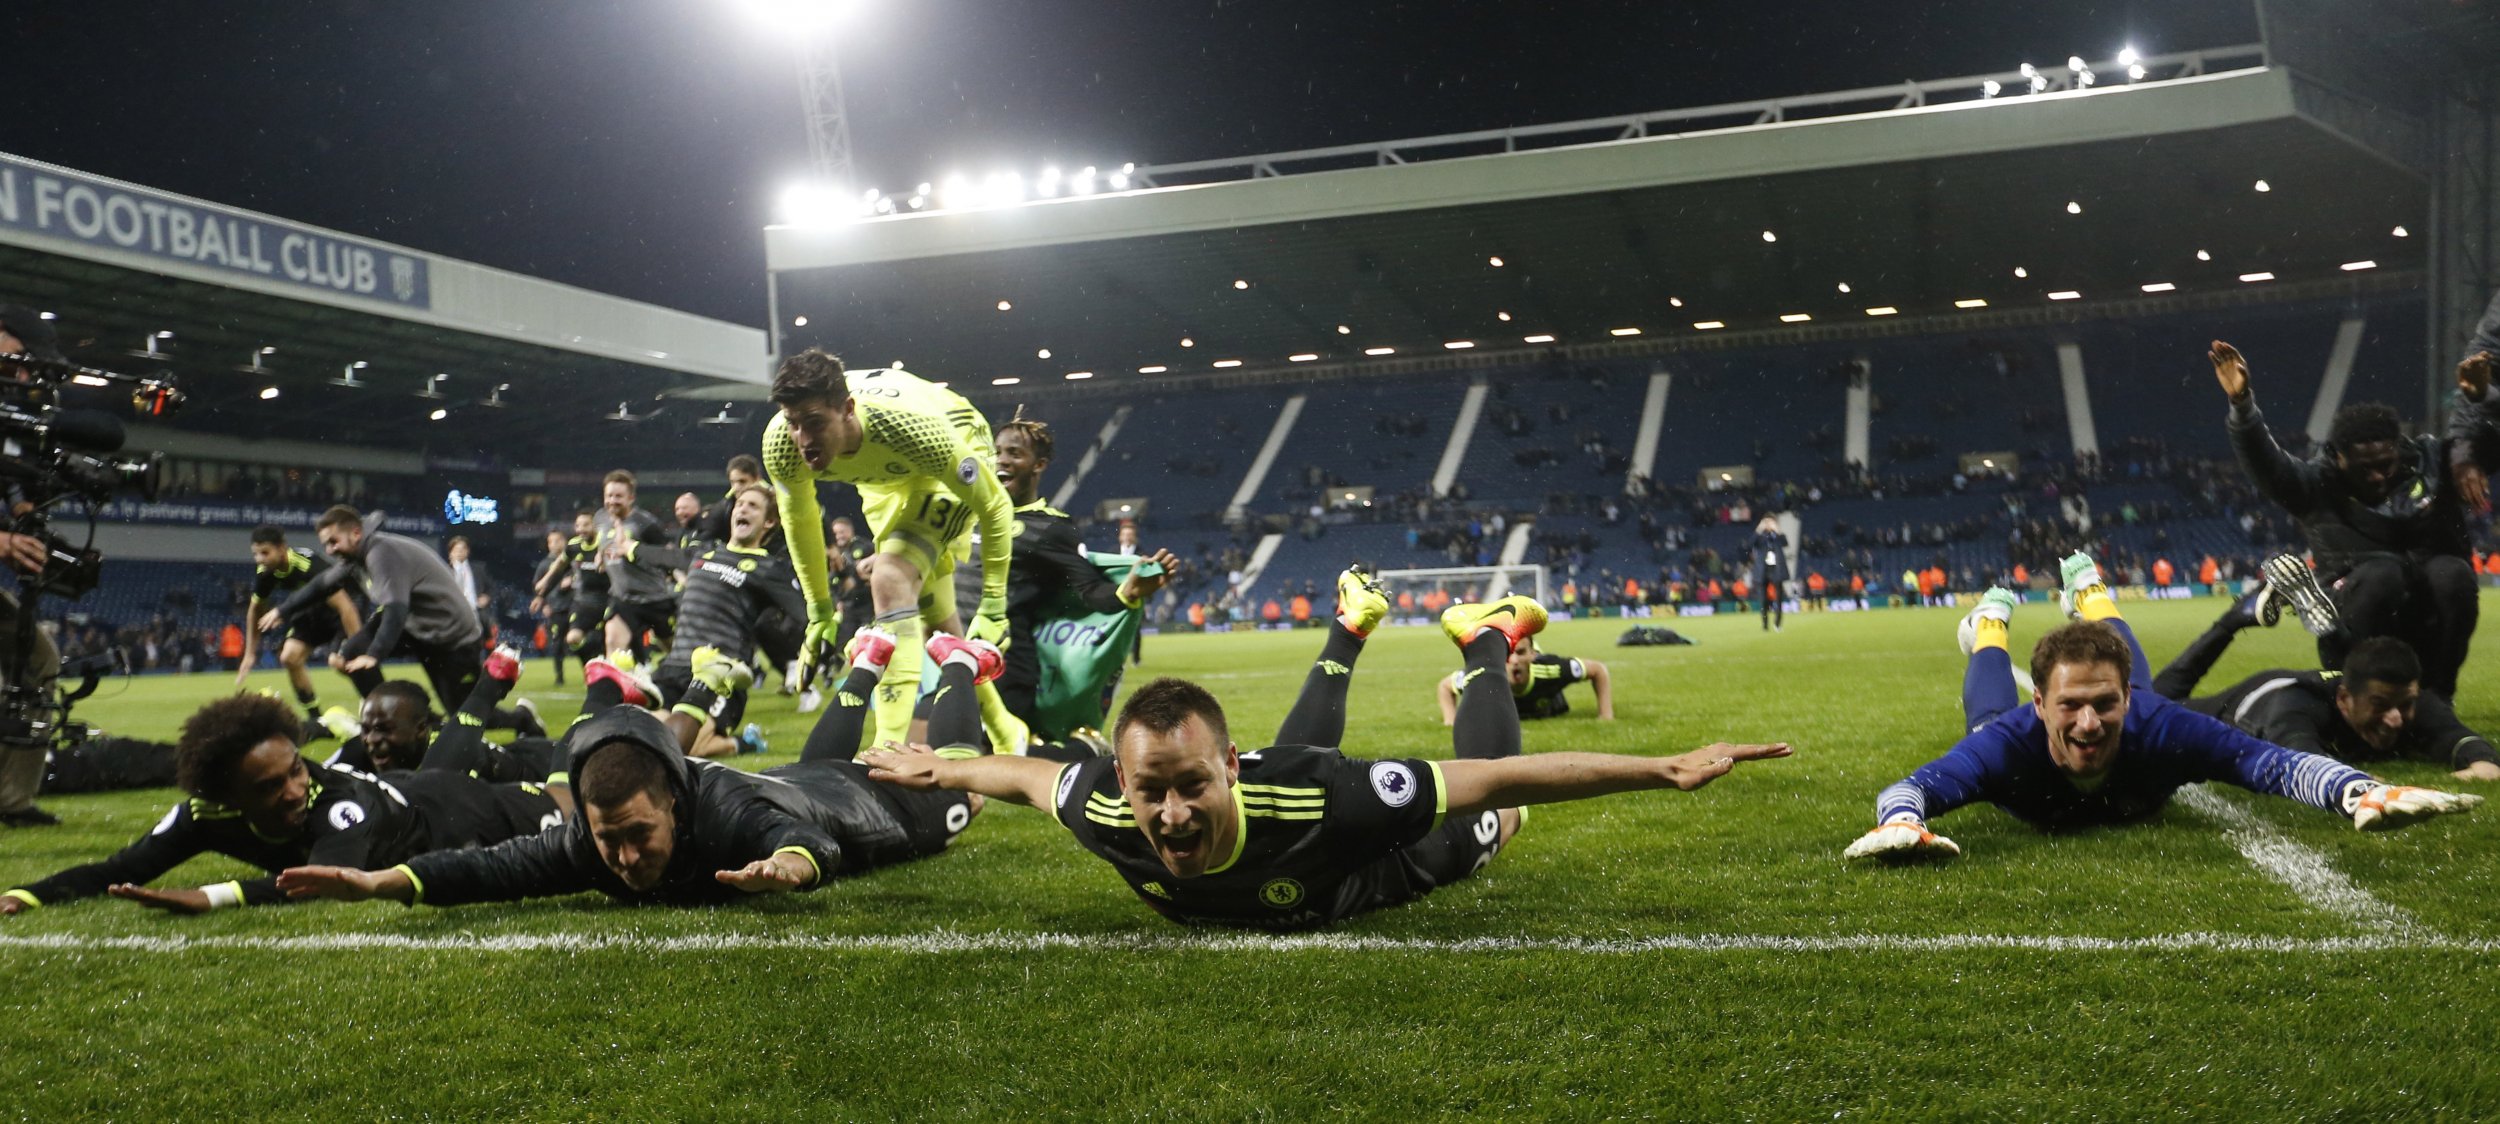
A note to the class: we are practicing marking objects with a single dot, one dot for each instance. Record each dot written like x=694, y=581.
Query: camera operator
x=22, y=331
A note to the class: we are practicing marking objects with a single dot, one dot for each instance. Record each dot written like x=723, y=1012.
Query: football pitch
x=1655, y=955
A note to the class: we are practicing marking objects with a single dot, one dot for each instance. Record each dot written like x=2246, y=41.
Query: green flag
x=1082, y=652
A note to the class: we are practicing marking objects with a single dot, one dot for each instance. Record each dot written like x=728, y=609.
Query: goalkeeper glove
x=2384, y=807
x=824, y=625
x=990, y=624
x=1902, y=838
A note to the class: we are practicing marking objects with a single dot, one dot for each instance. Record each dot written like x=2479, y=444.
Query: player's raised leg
x=1318, y=715
x=835, y=737
x=954, y=711
x=1988, y=686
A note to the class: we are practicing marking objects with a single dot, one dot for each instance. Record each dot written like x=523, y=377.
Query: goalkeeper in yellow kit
x=920, y=456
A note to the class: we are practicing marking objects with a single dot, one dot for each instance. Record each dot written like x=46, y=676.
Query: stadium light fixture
x=2356, y=266
x=1990, y=88
x=433, y=387
x=2262, y=187
x=2021, y=272
x=2399, y=232
x=1504, y=317
x=1768, y=236
x=2029, y=71
x=2253, y=278
x=1344, y=330
x=1043, y=353
x=439, y=415
x=1883, y=310
x=1795, y=317
x=1005, y=380
x=2073, y=207
x=1844, y=286
x=347, y=375
x=1537, y=338
x=2158, y=287
x=1006, y=305
x=268, y=392
x=798, y=321
x=2066, y=295
x=2075, y=63
x=2136, y=73
x=1675, y=302
x=1302, y=357
x=1153, y=369
x=1380, y=351
x=1459, y=345
x=1970, y=302
x=1494, y=261
x=495, y=398
x=1623, y=331
x=1238, y=283
x=1188, y=342
x=51, y=316
x=2128, y=57
x=1709, y=325
x=2202, y=255
x=1074, y=376
x=1221, y=364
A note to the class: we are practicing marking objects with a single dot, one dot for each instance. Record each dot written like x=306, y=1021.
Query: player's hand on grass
x=1902, y=839
x=2478, y=771
x=2230, y=370
x=1692, y=770
x=171, y=901
x=11, y=907
x=912, y=766
x=337, y=883
x=780, y=874
x=2387, y=807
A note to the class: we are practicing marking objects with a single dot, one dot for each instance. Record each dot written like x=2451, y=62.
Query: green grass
x=1138, y=1018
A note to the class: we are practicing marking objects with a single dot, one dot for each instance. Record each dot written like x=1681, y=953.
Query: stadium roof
x=1915, y=198
x=234, y=302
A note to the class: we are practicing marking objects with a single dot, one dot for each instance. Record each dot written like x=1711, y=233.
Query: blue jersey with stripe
x=2162, y=747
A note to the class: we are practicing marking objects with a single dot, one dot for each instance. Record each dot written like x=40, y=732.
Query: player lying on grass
x=396, y=728
x=255, y=798
x=2097, y=746
x=922, y=459
x=2374, y=708
x=1536, y=685
x=659, y=827
x=728, y=590
x=1299, y=834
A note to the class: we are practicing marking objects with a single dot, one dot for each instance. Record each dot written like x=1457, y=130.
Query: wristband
x=223, y=894
x=32, y=902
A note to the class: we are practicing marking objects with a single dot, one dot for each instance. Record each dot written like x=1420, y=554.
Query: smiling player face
x=2083, y=707
x=1180, y=785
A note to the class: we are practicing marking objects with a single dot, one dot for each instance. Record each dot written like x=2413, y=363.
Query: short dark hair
x=809, y=376
x=2081, y=642
x=2364, y=423
x=221, y=733
x=269, y=533
x=746, y=465
x=407, y=692
x=1036, y=433
x=2382, y=659
x=1166, y=705
x=618, y=771
x=620, y=476
x=339, y=516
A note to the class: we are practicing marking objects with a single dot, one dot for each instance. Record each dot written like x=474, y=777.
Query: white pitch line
x=948, y=942
x=2303, y=869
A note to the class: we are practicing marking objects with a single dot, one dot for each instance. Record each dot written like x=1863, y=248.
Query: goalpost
x=1465, y=583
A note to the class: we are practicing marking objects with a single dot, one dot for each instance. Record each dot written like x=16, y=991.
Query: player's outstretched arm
x=1473, y=785
x=1029, y=781
x=2386, y=807
x=347, y=884
x=1604, y=685
x=783, y=871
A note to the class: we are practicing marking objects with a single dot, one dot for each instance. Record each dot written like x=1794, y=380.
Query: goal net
x=1422, y=594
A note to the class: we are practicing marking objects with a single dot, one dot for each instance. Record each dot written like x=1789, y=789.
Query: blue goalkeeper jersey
x=2162, y=747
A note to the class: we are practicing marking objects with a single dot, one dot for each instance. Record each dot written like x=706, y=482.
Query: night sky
x=636, y=147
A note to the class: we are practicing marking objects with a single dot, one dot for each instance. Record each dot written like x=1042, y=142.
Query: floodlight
x=2357, y=266
x=1795, y=317
x=1709, y=325
x=2158, y=287
x=1221, y=363
x=2065, y=295
x=1154, y=369
x=1302, y=357
x=2128, y=57
x=268, y=392
x=1380, y=351
x=2256, y=277
x=2202, y=255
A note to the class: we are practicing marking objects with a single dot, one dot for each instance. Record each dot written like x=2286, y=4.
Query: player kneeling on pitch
x=660, y=827
x=2098, y=746
x=255, y=798
x=1299, y=834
